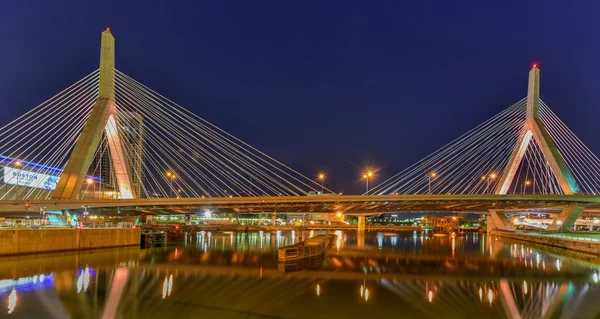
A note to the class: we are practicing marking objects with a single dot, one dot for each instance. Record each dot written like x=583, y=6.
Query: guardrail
x=582, y=236
x=48, y=226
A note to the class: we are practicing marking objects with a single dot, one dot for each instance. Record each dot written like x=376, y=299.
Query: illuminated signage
x=14, y=176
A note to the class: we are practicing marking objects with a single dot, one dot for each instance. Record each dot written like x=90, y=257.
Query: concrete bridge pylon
x=102, y=120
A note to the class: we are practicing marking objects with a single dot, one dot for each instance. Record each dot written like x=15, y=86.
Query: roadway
x=348, y=204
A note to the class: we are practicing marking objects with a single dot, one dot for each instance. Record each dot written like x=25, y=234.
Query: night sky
x=323, y=86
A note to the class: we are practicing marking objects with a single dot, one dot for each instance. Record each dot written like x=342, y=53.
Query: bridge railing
x=582, y=236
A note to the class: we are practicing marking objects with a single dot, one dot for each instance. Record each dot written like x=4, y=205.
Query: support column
x=500, y=220
x=273, y=218
x=566, y=219
x=491, y=224
x=361, y=223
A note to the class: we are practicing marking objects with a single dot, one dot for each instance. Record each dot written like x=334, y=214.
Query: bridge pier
x=361, y=223
x=566, y=219
x=491, y=225
x=500, y=220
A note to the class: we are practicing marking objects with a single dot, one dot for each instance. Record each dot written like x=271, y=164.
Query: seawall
x=30, y=241
x=570, y=244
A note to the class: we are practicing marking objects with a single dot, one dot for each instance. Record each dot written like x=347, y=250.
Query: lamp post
x=366, y=176
x=43, y=216
x=18, y=164
x=526, y=184
x=88, y=181
x=170, y=177
x=488, y=178
x=322, y=178
x=430, y=177
x=85, y=213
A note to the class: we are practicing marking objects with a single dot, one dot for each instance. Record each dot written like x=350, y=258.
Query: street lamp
x=85, y=213
x=43, y=216
x=18, y=164
x=322, y=178
x=171, y=177
x=526, y=184
x=488, y=178
x=366, y=176
x=430, y=177
x=89, y=181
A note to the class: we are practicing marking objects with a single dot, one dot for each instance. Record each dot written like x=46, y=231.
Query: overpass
x=347, y=204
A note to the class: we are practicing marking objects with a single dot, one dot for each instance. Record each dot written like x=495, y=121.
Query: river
x=374, y=275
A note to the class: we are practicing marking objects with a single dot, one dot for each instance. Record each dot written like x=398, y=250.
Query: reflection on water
x=237, y=275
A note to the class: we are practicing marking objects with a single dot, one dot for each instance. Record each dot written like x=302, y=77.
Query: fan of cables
x=474, y=162
x=34, y=148
x=175, y=153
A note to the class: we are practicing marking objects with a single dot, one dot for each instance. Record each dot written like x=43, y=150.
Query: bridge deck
x=353, y=204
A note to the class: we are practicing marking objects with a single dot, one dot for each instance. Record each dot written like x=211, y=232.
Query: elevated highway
x=348, y=204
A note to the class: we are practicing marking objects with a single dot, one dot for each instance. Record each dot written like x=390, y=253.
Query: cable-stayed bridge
x=110, y=141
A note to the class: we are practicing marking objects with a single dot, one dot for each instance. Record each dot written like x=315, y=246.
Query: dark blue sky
x=331, y=86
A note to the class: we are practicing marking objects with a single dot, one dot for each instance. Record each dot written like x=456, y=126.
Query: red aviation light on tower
x=107, y=29
x=535, y=65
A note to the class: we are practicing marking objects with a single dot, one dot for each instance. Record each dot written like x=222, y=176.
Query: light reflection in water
x=12, y=301
x=347, y=262
x=338, y=242
x=83, y=280
x=167, y=286
x=164, y=288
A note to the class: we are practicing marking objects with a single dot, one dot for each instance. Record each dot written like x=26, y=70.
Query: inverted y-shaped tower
x=102, y=119
x=536, y=131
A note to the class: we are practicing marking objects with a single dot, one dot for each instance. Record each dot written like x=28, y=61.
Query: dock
x=152, y=238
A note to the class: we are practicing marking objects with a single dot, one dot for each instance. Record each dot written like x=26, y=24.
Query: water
x=236, y=275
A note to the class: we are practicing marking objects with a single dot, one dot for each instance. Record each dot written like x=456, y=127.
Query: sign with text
x=26, y=178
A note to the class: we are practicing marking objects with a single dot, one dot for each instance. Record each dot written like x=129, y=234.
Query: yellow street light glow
x=365, y=176
x=492, y=176
x=89, y=181
x=339, y=214
x=18, y=163
x=370, y=174
x=321, y=176
x=433, y=174
x=527, y=182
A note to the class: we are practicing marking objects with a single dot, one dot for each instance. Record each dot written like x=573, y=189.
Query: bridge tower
x=536, y=131
x=103, y=119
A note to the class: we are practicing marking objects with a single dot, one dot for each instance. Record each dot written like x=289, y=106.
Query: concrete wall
x=570, y=244
x=27, y=241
